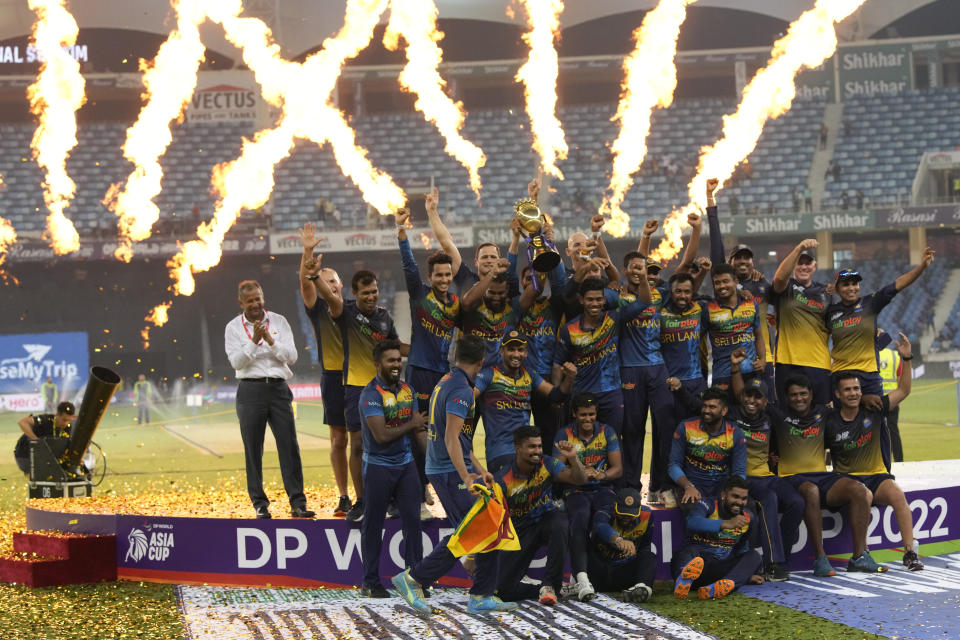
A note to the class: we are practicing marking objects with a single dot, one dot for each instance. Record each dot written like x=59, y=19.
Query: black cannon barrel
x=100, y=387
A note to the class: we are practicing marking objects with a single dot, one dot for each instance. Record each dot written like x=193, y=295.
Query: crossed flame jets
x=302, y=94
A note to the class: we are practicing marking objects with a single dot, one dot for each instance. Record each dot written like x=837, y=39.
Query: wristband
x=906, y=357
x=313, y=277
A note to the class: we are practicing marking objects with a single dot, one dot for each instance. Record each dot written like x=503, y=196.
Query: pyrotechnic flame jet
x=169, y=82
x=539, y=77
x=650, y=78
x=54, y=98
x=302, y=91
x=810, y=40
x=158, y=316
x=416, y=22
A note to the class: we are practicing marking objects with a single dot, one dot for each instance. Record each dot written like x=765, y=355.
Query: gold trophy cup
x=541, y=253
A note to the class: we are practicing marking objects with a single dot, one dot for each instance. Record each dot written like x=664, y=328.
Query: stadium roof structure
x=301, y=25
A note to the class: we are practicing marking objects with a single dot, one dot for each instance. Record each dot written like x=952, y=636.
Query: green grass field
x=183, y=452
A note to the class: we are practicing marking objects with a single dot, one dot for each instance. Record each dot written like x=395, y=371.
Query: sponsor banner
x=942, y=159
x=21, y=402
x=225, y=95
x=34, y=250
x=887, y=601
x=924, y=216
x=366, y=240
x=874, y=70
x=304, y=553
x=27, y=360
x=817, y=83
x=30, y=54
x=306, y=391
x=216, y=613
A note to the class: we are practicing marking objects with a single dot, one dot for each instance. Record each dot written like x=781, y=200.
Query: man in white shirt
x=260, y=347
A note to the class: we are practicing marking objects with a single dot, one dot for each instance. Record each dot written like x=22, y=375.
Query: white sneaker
x=547, y=595
x=669, y=499
x=585, y=590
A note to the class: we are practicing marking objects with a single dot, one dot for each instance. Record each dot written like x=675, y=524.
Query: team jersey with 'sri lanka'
x=680, y=333
x=595, y=352
x=636, y=530
x=395, y=406
x=593, y=451
x=489, y=326
x=529, y=497
x=433, y=320
x=707, y=459
x=505, y=401
x=704, y=531
x=730, y=328
x=360, y=334
x=640, y=336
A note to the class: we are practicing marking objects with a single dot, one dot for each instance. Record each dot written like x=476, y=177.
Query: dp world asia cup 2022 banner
x=27, y=360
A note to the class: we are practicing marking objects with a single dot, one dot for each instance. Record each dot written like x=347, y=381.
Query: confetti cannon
x=55, y=463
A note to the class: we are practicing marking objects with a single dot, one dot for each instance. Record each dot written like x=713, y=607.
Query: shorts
x=351, y=399
x=824, y=480
x=819, y=379
x=331, y=386
x=871, y=481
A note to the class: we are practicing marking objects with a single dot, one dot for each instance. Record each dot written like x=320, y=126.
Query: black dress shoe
x=301, y=512
x=376, y=591
x=263, y=513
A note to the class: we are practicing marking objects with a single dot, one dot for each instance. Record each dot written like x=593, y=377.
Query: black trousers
x=551, y=531
x=607, y=575
x=259, y=404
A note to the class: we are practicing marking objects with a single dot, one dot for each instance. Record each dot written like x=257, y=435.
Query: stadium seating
x=408, y=148
x=883, y=139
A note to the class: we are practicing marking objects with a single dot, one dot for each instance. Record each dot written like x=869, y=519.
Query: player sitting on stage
x=598, y=449
x=860, y=446
x=717, y=557
x=619, y=556
x=526, y=486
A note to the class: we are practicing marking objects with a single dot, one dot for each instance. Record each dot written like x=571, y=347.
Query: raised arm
x=596, y=224
x=705, y=265
x=905, y=380
x=308, y=265
x=411, y=272
x=472, y=298
x=440, y=231
x=716, y=237
x=911, y=276
x=785, y=270
x=649, y=228
x=333, y=301
x=693, y=243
